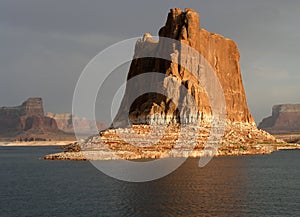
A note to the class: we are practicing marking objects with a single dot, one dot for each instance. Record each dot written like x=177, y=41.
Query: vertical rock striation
x=221, y=53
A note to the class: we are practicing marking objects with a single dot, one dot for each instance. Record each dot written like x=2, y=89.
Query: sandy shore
x=288, y=147
x=37, y=143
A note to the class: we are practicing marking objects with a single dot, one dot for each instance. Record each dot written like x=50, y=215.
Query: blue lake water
x=265, y=185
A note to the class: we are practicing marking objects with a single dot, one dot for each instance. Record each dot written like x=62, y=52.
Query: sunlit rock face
x=285, y=119
x=220, y=53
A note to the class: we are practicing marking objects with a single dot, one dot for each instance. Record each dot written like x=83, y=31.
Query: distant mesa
x=285, y=119
x=27, y=121
x=67, y=121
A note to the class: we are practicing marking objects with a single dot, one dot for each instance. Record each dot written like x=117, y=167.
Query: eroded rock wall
x=67, y=121
x=285, y=119
x=26, y=118
x=221, y=53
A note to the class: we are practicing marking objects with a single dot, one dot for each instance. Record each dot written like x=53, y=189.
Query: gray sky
x=45, y=44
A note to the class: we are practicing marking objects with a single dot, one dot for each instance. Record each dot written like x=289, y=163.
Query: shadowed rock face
x=284, y=119
x=27, y=118
x=221, y=53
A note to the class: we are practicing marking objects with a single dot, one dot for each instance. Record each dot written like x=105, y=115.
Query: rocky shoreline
x=86, y=155
x=114, y=144
x=36, y=143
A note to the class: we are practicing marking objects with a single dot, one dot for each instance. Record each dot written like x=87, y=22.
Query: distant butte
x=67, y=121
x=27, y=122
x=285, y=119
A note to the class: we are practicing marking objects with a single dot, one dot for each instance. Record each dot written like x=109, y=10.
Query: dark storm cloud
x=45, y=44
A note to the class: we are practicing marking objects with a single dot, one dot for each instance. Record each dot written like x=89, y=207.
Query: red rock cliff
x=285, y=119
x=221, y=53
x=27, y=118
x=67, y=121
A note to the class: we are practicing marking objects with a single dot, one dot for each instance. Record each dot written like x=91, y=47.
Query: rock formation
x=285, y=119
x=221, y=53
x=67, y=121
x=27, y=121
x=132, y=129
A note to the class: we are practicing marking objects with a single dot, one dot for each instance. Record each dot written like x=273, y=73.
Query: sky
x=45, y=44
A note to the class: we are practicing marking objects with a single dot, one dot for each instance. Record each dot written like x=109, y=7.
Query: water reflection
x=217, y=189
x=265, y=185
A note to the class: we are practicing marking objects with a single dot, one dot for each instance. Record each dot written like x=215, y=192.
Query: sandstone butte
x=27, y=122
x=153, y=115
x=285, y=119
x=67, y=121
x=284, y=122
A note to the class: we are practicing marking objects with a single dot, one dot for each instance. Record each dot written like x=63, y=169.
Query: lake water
x=265, y=185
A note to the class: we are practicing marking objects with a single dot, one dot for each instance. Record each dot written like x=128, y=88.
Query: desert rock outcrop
x=285, y=119
x=141, y=122
x=221, y=53
x=27, y=121
x=67, y=121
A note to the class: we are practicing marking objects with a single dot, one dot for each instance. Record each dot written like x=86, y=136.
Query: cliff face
x=27, y=118
x=67, y=121
x=285, y=119
x=221, y=53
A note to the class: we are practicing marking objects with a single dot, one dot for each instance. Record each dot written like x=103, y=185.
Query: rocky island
x=154, y=115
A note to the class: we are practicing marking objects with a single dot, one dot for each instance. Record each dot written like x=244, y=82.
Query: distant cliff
x=27, y=121
x=285, y=119
x=67, y=121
